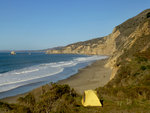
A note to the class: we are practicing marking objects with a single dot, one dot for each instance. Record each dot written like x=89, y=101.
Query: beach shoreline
x=92, y=76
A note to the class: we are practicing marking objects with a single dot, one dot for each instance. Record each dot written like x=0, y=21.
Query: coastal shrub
x=148, y=15
x=63, y=105
x=5, y=106
x=146, y=82
x=143, y=68
x=58, y=99
x=135, y=74
x=59, y=90
x=21, y=109
x=28, y=100
x=13, y=108
x=141, y=59
x=148, y=66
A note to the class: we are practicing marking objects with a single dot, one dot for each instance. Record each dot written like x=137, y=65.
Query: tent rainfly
x=90, y=98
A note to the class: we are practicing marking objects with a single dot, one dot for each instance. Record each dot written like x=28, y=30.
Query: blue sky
x=41, y=24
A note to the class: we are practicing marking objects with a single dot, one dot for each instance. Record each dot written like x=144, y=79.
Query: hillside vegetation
x=129, y=88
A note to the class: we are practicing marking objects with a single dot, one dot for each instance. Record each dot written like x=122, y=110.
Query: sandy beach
x=90, y=77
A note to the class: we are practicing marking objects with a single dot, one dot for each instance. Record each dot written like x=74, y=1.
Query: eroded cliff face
x=130, y=42
x=137, y=42
x=126, y=39
x=99, y=46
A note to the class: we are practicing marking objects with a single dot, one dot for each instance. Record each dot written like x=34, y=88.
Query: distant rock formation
x=12, y=53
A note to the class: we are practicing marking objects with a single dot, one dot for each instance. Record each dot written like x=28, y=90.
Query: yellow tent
x=90, y=99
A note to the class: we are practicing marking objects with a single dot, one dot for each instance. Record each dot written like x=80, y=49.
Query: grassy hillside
x=127, y=92
x=128, y=27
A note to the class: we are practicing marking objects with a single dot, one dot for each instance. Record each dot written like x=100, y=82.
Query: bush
x=135, y=74
x=141, y=59
x=148, y=66
x=21, y=109
x=148, y=15
x=58, y=99
x=143, y=68
x=28, y=100
x=5, y=106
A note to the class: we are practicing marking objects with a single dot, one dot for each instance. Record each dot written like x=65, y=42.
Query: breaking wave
x=38, y=73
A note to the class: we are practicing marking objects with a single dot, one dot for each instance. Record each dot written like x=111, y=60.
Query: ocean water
x=23, y=72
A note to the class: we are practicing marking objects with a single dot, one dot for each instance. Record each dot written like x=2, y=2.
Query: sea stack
x=12, y=53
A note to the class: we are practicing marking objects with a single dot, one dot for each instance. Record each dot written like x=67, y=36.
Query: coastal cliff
x=126, y=39
x=98, y=46
x=134, y=38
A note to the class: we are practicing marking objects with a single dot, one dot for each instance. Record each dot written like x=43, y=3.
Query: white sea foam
x=14, y=79
x=35, y=77
x=15, y=84
x=64, y=64
x=28, y=71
